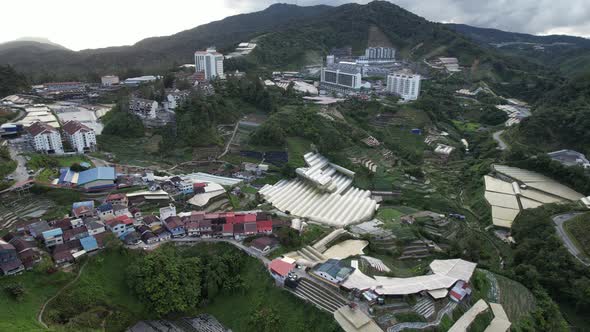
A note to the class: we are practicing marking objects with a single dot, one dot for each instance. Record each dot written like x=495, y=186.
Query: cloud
x=527, y=16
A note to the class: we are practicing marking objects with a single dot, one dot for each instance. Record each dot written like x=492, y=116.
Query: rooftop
x=95, y=174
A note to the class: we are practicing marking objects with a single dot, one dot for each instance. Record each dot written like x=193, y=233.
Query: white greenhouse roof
x=445, y=274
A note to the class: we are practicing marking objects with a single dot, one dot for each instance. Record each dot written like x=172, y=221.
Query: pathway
x=230, y=140
x=559, y=220
x=40, y=315
x=447, y=310
x=498, y=138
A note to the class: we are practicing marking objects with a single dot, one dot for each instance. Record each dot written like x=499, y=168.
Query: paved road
x=20, y=174
x=569, y=244
x=498, y=138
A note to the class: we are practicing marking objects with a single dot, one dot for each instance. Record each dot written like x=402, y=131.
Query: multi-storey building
x=109, y=80
x=341, y=77
x=143, y=108
x=81, y=137
x=210, y=62
x=405, y=85
x=380, y=53
x=44, y=138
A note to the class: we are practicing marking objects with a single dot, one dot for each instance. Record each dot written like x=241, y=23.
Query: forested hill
x=569, y=55
x=154, y=53
x=288, y=36
x=561, y=119
x=495, y=36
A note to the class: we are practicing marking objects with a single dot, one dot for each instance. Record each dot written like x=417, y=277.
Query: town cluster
x=84, y=231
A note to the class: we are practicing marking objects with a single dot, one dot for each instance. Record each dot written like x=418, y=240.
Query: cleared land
x=516, y=299
x=578, y=229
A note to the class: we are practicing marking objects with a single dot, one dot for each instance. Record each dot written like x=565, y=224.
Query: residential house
x=136, y=214
x=152, y=221
x=132, y=238
x=83, y=209
x=26, y=250
x=62, y=255
x=75, y=223
x=121, y=210
x=250, y=228
x=280, y=268
x=105, y=211
x=53, y=237
x=10, y=264
x=120, y=199
x=264, y=244
x=89, y=243
x=120, y=225
x=36, y=229
x=45, y=139
x=186, y=187
x=147, y=236
x=75, y=233
x=174, y=225
x=264, y=227
x=169, y=211
x=143, y=108
x=81, y=137
x=238, y=231
x=162, y=234
x=227, y=230
x=95, y=227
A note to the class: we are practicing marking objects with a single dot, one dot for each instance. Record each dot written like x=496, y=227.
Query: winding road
x=498, y=138
x=559, y=221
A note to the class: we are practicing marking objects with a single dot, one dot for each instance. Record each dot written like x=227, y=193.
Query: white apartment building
x=210, y=62
x=406, y=86
x=380, y=53
x=81, y=137
x=45, y=139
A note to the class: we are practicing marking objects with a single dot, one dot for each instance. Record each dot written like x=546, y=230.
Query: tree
x=11, y=81
x=16, y=291
x=167, y=282
x=265, y=319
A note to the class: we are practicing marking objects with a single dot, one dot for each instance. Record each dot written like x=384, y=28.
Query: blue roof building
x=105, y=207
x=97, y=178
x=66, y=176
x=89, y=243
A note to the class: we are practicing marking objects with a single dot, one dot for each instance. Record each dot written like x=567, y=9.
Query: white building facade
x=210, y=62
x=45, y=139
x=406, y=86
x=81, y=137
x=341, y=77
x=109, y=80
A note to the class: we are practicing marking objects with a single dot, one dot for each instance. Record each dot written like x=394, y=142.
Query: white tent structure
x=323, y=193
x=445, y=273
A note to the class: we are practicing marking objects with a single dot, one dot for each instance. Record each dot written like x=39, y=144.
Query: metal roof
x=95, y=174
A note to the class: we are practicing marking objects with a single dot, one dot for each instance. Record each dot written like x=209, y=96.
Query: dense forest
x=11, y=81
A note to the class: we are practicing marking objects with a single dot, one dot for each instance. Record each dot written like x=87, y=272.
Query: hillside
x=568, y=54
x=289, y=36
x=153, y=53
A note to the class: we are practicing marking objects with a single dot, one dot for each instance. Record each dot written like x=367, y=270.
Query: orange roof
x=280, y=267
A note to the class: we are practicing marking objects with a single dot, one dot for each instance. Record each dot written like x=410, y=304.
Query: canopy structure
x=323, y=193
x=445, y=273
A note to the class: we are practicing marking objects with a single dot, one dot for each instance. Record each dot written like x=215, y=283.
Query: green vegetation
x=63, y=199
x=409, y=317
x=20, y=314
x=515, y=298
x=542, y=263
x=100, y=296
x=11, y=81
x=579, y=228
x=7, y=165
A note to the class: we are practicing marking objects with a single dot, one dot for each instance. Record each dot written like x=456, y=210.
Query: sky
x=79, y=24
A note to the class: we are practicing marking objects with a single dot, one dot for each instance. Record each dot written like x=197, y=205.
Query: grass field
x=39, y=286
x=101, y=294
x=296, y=148
x=516, y=299
x=392, y=220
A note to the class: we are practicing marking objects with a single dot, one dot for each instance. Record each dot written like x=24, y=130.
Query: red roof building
x=264, y=226
x=123, y=219
x=228, y=230
x=250, y=228
x=280, y=268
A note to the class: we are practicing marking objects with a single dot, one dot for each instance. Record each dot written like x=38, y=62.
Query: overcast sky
x=82, y=24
